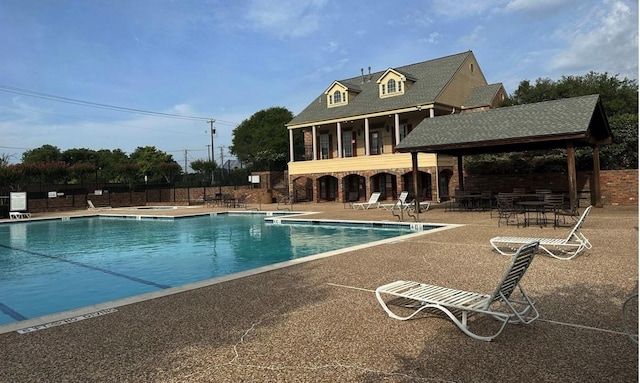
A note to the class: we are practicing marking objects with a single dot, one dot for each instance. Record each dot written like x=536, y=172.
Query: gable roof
x=350, y=87
x=482, y=96
x=541, y=125
x=436, y=74
x=406, y=76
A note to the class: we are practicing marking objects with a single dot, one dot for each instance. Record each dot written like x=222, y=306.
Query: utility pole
x=221, y=162
x=213, y=131
x=185, y=162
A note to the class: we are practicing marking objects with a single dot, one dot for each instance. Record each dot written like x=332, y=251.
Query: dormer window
x=391, y=86
x=337, y=97
x=393, y=83
x=340, y=94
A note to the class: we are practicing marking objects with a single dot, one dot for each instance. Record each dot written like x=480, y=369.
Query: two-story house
x=351, y=130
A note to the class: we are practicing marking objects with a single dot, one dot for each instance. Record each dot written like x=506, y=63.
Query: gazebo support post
x=596, y=196
x=571, y=172
x=460, y=174
x=416, y=198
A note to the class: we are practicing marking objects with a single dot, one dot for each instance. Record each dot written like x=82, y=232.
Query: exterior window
x=347, y=143
x=330, y=99
x=344, y=97
x=324, y=146
x=399, y=86
x=337, y=97
x=404, y=130
x=391, y=86
x=383, y=89
x=375, y=143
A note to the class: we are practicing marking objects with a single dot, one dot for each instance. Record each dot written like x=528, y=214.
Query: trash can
x=266, y=197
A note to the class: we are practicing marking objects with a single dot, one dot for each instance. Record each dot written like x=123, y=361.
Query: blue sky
x=227, y=60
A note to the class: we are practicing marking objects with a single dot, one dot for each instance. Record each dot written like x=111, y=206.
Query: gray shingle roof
x=438, y=72
x=482, y=96
x=522, y=124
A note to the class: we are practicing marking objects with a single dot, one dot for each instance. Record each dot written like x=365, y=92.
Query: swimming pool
x=58, y=265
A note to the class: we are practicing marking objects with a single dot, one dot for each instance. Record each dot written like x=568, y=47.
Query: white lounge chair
x=19, y=215
x=373, y=200
x=401, y=201
x=93, y=207
x=560, y=248
x=424, y=205
x=458, y=304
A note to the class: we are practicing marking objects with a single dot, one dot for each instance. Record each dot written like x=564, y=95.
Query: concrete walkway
x=320, y=322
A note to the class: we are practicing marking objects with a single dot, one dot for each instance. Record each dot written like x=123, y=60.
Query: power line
x=68, y=100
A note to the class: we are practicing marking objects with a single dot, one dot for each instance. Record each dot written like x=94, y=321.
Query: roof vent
x=369, y=74
x=362, y=74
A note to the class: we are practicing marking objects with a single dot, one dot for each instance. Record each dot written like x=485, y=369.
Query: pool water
x=52, y=266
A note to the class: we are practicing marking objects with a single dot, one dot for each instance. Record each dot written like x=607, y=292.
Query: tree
x=81, y=171
x=263, y=140
x=45, y=153
x=108, y=163
x=75, y=156
x=169, y=169
x=620, y=101
x=12, y=177
x=128, y=172
x=204, y=169
x=148, y=159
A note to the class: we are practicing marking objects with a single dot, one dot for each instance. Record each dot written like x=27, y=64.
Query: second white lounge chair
x=560, y=248
x=458, y=305
x=373, y=201
x=401, y=201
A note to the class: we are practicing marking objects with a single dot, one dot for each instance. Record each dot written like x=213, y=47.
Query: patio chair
x=559, y=248
x=401, y=201
x=373, y=200
x=553, y=204
x=507, y=209
x=458, y=305
x=91, y=206
x=565, y=211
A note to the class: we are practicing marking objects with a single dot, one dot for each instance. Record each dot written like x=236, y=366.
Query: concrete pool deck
x=320, y=322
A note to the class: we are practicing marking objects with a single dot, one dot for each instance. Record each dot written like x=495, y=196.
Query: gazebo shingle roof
x=540, y=125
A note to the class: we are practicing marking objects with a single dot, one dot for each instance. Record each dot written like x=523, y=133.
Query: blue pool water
x=52, y=266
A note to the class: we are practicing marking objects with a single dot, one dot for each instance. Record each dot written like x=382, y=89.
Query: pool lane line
x=76, y=263
x=11, y=312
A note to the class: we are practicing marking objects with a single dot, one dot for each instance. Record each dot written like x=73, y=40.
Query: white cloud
x=411, y=19
x=605, y=40
x=535, y=6
x=432, y=38
x=332, y=46
x=475, y=38
x=462, y=8
x=286, y=18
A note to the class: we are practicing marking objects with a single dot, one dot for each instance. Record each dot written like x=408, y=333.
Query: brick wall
x=618, y=187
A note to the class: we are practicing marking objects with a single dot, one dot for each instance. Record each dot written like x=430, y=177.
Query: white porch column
x=432, y=113
x=339, y=134
x=396, y=121
x=314, y=143
x=291, y=145
x=366, y=137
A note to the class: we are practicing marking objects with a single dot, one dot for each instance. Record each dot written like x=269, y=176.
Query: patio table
x=534, y=206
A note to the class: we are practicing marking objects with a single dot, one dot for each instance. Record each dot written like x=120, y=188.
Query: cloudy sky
x=72, y=73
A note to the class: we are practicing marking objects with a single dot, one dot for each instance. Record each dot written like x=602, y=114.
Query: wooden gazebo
x=565, y=123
